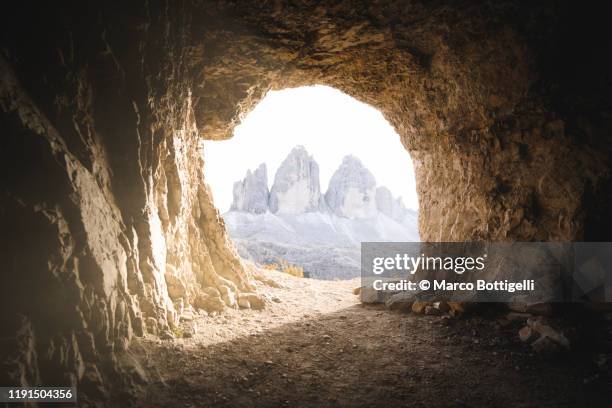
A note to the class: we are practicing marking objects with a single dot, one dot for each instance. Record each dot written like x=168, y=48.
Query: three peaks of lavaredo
x=296, y=222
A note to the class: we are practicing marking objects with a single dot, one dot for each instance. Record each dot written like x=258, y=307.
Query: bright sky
x=328, y=123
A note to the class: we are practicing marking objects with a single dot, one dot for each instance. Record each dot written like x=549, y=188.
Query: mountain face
x=352, y=190
x=321, y=233
x=392, y=207
x=296, y=188
x=251, y=194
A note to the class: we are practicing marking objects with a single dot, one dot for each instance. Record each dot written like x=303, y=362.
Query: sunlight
x=328, y=123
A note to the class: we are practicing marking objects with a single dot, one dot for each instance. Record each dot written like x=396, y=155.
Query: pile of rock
x=540, y=331
x=543, y=336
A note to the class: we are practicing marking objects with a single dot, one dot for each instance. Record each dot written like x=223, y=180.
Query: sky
x=328, y=123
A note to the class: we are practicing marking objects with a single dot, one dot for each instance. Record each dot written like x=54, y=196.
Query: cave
x=106, y=217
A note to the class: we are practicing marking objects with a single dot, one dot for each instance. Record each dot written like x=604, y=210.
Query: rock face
x=296, y=187
x=251, y=194
x=352, y=190
x=393, y=208
x=102, y=193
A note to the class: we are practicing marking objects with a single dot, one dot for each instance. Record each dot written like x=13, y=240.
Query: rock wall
x=108, y=227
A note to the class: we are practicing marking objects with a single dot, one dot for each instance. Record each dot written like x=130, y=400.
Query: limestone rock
x=176, y=287
x=393, y=207
x=368, y=294
x=251, y=194
x=243, y=302
x=209, y=303
x=255, y=301
x=352, y=190
x=401, y=301
x=296, y=187
x=545, y=329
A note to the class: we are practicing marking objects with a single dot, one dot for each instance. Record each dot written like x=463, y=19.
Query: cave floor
x=315, y=345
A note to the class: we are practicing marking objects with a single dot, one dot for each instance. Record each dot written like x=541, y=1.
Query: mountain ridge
x=293, y=221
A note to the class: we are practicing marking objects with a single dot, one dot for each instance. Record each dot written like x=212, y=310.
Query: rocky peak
x=392, y=207
x=352, y=190
x=251, y=194
x=296, y=187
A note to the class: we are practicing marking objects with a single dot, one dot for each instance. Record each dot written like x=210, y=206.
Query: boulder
x=400, y=301
x=419, y=307
x=209, y=303
x=542, y=327
x=176, y=287
x=256, y=302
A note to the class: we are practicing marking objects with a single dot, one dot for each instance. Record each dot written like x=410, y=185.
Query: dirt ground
x=316, y=346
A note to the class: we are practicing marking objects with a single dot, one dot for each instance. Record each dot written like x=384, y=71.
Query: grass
x=286, y=267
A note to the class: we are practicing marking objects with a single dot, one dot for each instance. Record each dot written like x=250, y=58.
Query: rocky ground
x=315, y=345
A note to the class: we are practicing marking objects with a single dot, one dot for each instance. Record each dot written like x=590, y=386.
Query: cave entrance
x=308, y=175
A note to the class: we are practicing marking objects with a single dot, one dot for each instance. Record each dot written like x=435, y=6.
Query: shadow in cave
x=366, y=356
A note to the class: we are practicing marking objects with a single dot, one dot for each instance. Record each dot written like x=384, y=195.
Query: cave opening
x=111, y=238
x=324, y=172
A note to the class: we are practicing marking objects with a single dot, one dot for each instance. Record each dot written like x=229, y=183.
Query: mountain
x=352, y=190
x=296, y=188
x=251, y=194
x=392, y=207
x=321, y=233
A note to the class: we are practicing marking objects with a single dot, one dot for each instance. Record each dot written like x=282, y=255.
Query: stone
x=251, y=194
x=228, y=296
x=256, y=302
x=151, y=325
x=394, y=208
x=352, y=190
x=545, y=344
x=368, y=294
x=190, y=330
x=186, y=317
x=540, y=326
x=525, y=333
x=209, y=303
x=176, y=287
x=296, y=188
x=243, y=302
x=401, y=301
x=456, y=308
x=419, y=307
x=166, y=335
